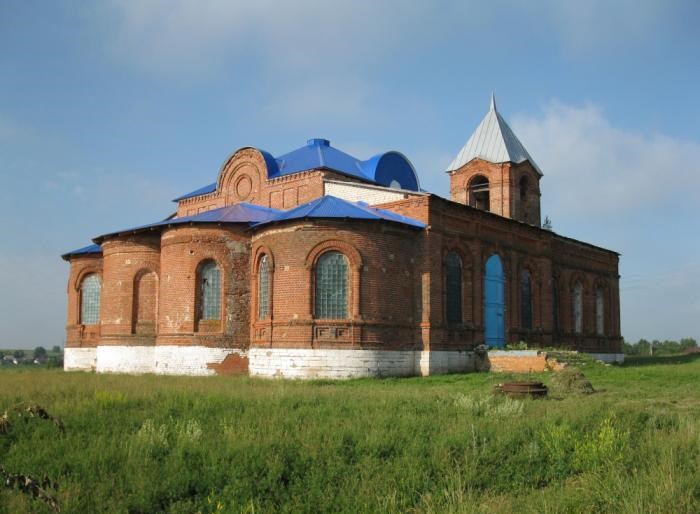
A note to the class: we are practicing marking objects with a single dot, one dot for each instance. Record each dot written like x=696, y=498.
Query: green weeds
x=183, y=445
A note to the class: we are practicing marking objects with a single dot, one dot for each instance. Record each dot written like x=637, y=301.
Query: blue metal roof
x=197, y=192
x=238, y=213
x=328, y=207
x=390, y=169
x=318, y=153
x=85, y=250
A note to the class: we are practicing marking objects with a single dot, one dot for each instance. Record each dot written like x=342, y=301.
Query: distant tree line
x=656, y=347
x=54, y=358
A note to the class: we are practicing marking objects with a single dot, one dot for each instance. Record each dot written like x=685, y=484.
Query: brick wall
x=382, y=285
x=504, y=188
x=183, y=251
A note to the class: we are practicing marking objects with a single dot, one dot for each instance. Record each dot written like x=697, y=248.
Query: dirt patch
x=233, y=364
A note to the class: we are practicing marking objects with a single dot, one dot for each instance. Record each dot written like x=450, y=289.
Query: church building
x=318, y=264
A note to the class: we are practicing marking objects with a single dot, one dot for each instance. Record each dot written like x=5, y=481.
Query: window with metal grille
x=210, y=291
x=90, y=300
x=454, y=288
x=263, y=287
x=526, y=300
x=578, y=308
x=331, y=283
x=599, y=312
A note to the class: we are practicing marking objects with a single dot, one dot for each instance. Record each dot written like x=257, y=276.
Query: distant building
x=318, y=264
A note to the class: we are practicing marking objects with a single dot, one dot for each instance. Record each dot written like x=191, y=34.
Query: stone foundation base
x=338, y=364
x=163, y=360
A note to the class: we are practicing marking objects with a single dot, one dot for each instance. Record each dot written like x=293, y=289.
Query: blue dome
x=392, y=169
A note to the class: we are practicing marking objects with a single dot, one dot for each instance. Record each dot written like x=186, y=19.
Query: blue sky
x=108, y=110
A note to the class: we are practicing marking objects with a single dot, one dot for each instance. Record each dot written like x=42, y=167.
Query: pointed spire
x=493, y=141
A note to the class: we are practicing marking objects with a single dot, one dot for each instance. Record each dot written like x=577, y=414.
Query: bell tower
x=494, y=172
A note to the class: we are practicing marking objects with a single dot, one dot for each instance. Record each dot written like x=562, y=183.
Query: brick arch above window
x=258, y=253
x=84, y=272
x=464, y=254
x=350, y=252
x=578, y=278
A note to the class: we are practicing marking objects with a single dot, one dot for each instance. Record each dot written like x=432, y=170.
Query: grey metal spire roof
x=493, y=141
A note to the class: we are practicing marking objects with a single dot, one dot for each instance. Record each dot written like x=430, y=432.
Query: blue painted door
x=494, y=320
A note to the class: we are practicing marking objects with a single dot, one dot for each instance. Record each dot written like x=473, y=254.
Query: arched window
x=578, y=308
x=264, y=287
x=453, y=282
x=209, y=291
x=90, y=300
x=331, y=283
x=525, y=300
x=599, y=312
x=479, y=193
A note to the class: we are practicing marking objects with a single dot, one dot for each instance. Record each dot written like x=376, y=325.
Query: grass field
x=142, y=444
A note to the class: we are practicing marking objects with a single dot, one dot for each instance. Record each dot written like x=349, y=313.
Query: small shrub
x=520, y=345
x=151, y=440
x=606, y=446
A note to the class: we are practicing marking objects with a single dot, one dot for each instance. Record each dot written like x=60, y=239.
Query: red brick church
x=319, y=264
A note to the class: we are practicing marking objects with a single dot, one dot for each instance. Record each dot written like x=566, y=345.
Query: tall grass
x=142, y=444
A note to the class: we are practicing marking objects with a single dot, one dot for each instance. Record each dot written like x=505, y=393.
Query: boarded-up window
x=525, y=300
x=453, y=281
x=331, y=281
x=210, y=291
x=145, y=303
x=599, y=312
x=263, y=288
x=90, y=300
x=578, y=308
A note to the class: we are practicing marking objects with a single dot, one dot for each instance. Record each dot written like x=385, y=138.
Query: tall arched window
x=331, y=283
x=599, y=312
x=209, y=291
x=578, y=308
x=453, y=282
x=90, y=300
x=525, y=300
x=263, y=287
x=479, y=193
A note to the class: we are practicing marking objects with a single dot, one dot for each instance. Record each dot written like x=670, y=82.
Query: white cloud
x=612, y=170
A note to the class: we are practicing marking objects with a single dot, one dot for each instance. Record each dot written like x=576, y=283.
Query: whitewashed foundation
x=79, y=359
x=319, y=363
x=163, y=360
